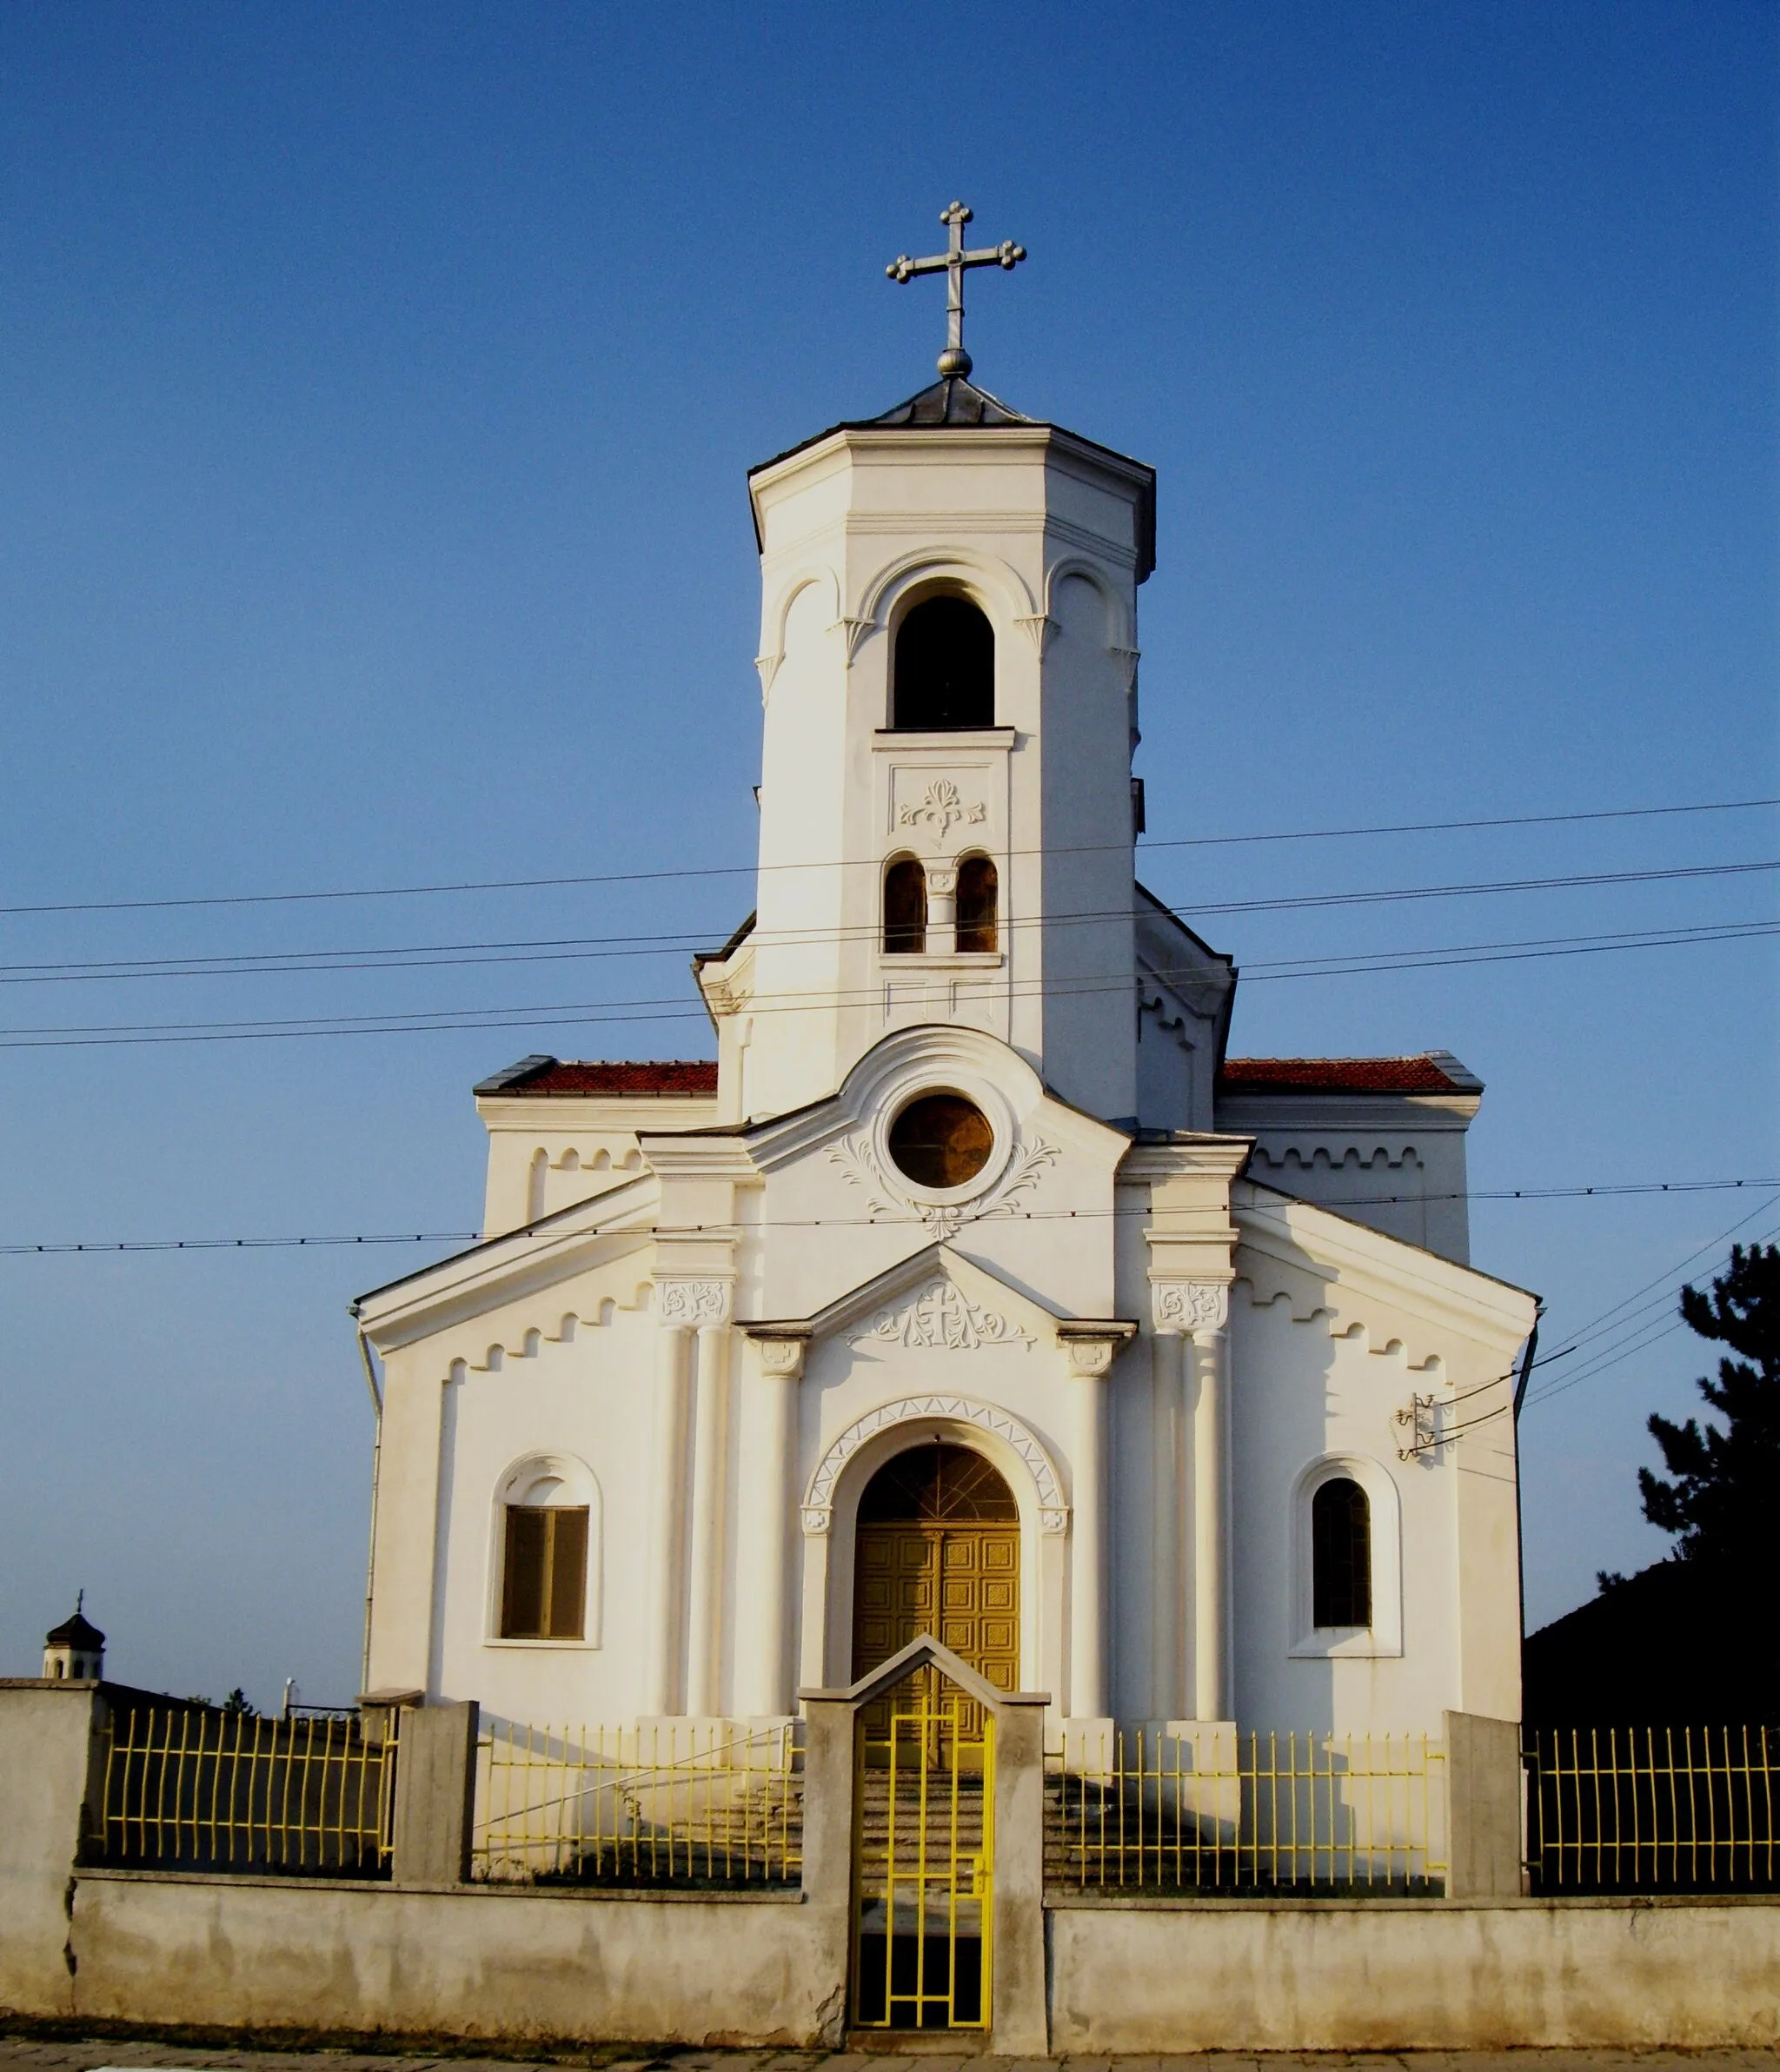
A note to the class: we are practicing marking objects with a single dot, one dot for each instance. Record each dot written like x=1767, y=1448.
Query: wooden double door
x=937, y=1550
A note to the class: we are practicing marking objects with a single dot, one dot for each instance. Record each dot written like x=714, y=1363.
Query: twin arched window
x=1341, y=1555
x=944, y=667
x=976, y=930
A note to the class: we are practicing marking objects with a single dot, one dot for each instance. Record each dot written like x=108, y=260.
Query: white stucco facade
x=710, y=1305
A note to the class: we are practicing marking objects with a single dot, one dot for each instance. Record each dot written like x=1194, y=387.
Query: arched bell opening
x=944, y=667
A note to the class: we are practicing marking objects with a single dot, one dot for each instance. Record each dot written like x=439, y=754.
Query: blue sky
x=377, y=385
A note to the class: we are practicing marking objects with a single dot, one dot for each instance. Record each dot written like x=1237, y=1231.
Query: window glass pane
x=944, y=667
x=522, y=1582
x=976, y=904
x=568, y=1573
x=905, y=909
x=1341, y=1555
x=941, y=1140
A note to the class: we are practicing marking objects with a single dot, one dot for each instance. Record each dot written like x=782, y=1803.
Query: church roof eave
x=536, y=1255
x=965, y=408
x=1296, y=1232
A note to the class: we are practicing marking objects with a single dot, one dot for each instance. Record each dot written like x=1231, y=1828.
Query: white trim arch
x=1308, y=1641
x=574, y=1485
x=1118, y=626
x=830, y=1513
x=976, y=1422
x=995, y=586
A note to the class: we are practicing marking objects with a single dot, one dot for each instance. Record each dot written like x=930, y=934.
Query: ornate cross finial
x=953, y=260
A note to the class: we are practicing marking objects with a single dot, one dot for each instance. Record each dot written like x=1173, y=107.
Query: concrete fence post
x=828, y=1843
x=1484, y=1807
x=1018, y=2015
x=49, y=1774
x=435, y=1788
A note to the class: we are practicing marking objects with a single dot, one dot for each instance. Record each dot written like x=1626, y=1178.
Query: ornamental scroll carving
x=1187, y=1305
x=818, y=1508
x=691, y=1303
x=940, y=1318
x=943, y=809
x=855, y=1159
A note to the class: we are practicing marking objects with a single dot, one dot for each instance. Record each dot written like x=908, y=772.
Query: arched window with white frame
x=1346, y=1560
x=547, y=1553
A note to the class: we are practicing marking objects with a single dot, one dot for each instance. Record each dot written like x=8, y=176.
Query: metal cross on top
x=953, y=260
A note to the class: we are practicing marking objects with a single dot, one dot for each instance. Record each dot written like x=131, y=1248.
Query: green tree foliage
x=1723, y=1502
x=237, y=1702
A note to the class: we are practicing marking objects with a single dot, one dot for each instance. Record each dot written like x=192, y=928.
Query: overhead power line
x=678, y=1007
x=548, y=949
x=622, y=1226
x=738, y=870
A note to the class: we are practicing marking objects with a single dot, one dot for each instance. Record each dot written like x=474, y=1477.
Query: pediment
x=936, y=1299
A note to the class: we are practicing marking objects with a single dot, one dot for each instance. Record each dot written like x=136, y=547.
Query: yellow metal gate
x=924, y=1854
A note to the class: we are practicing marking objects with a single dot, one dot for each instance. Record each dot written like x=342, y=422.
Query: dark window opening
x=930, y=1484
x=976, y=904
x=1341, y=1555
x=941, y=1140
x=905, y=909
x=544, y=1581
x=944, y=667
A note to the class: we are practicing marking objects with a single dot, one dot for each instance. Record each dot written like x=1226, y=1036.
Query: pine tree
x=1724, y=1504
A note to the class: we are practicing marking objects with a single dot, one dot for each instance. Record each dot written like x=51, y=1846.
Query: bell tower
x=947, y=663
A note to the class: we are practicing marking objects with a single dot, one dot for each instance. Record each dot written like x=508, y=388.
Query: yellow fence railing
x=1249, y=1813
x=1652, y=1808
x=638, y=1806
x=191, y=1788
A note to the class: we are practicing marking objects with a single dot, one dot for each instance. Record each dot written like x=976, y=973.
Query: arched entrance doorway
x=936, y=1549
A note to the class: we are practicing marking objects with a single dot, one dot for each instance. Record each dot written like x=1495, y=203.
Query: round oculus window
x=942, y=1141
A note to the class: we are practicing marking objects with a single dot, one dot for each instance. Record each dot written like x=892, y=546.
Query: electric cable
x=622, y=1226
x=677, y=1007
x=1190, y=841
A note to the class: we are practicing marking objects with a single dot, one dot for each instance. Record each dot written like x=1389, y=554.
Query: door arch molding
x=830, y=1515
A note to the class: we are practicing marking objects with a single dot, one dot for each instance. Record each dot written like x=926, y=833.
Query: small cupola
x=75, y=1651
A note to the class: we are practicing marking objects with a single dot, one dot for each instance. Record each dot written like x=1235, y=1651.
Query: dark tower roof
x=76, y=1632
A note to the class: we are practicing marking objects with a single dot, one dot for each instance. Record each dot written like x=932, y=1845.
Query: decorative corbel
x=1037, y=628
x=853, y=633
x=1092, y=1347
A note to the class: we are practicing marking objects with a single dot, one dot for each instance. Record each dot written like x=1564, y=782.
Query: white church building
x=972, y=1290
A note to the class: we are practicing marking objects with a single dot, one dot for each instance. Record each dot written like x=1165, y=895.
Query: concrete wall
x=479, y=1961
x=1408, y=1975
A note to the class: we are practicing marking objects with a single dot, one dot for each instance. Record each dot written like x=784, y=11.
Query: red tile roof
x=694, y=1078
x=1337, y=1075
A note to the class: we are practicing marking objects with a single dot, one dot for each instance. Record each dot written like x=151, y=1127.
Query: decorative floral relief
x=818, y=1504
x=693, y=1302
x=1190, y=1305
x=942, y=810
x=940, y=1318
x=859, y=1162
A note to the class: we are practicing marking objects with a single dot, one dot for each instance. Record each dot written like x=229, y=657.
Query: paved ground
x=28, y=2054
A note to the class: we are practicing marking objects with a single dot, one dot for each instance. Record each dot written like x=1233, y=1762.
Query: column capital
x=1187, y=1306
x=1093, y=1343
x=692, y=1304
x=781, y=1348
